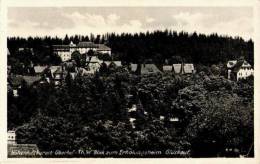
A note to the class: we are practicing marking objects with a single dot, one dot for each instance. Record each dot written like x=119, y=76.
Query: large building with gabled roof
x=65, y=51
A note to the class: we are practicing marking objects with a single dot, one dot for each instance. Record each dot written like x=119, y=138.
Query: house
x=107, y=63
x=15, y=83
x=31, y=80
x=103, y=49
x=115, y=64
x=20, y=49
x=177, y=68
x=149, y=69
x=174, y=119
x=58, y=76
x=93, y=64
x=84, y=47
x=53, y=69
x=93, y=67
x=11, y=137
x=65, y=51
x=167, y=68
x=70, y=64
x=162, y=118
x=184, y=68
x=73, y=75
x=133, y=67
x=39, y=69
x=94, y=59
x=188, y=68
x=239, y=69
x=83, y=71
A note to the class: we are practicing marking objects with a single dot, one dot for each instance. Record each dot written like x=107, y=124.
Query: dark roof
x=117, y=63
x=231, y=63
x=58, y=71
x=235, y=65
x=15, y=81
x=54, y=68
x=133, y=67
x=149, y=68
x=167, y=68
x=61, y=47
x=183, y=68
x=31, y=79
x=87, y=45
x=39, y=69
x=238, y=65
x=177, y=68
x=102, y=47
x=188, y=68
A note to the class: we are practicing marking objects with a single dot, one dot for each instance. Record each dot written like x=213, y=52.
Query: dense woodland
x=91, y=112
x=157, y=45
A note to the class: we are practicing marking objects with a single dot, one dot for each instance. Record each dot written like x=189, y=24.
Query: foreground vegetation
x=91, y=113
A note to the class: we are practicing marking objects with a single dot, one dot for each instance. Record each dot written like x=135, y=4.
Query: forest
x=139, y=47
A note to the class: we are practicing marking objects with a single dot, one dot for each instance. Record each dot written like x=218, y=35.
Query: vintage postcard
x=126, y=80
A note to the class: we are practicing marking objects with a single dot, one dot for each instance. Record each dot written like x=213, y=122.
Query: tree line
x=157, y=45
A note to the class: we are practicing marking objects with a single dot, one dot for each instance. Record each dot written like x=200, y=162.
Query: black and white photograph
x=130, y=82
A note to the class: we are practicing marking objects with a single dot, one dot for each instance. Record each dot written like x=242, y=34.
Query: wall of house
x=105, y=52
x=64, y=55
x=244, y=73
x=11, y=137
x=81, y=50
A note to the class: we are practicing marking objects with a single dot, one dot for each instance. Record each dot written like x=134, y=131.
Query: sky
x=52, y=21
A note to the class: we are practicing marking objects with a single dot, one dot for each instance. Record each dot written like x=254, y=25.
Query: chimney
x=229, y=73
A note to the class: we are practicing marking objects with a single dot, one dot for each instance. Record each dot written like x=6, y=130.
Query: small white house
x=11, y=137
x=239, y=69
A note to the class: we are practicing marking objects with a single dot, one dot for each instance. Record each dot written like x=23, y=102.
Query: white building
x=11, y=137
x=183, y=68
x=239, y=69
x=65, y=51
